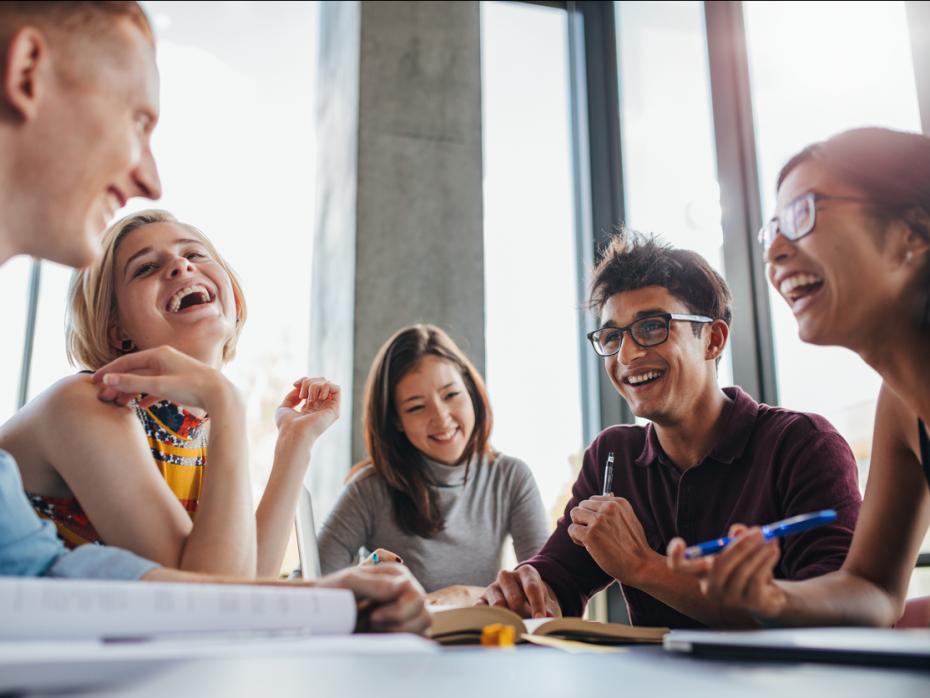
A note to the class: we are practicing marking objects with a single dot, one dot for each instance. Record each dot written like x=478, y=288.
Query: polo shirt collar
x=735, y=432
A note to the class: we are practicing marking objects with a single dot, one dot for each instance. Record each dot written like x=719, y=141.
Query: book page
x=533, y=623
x=64, y=609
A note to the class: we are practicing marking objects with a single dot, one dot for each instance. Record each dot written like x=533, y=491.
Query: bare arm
x=389, y=598
x=223, y=538
x=304, y=414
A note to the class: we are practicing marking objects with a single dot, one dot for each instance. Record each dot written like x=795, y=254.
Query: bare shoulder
x=69, y=411
x=55, y=425
x=77, y=392
x=895, y=422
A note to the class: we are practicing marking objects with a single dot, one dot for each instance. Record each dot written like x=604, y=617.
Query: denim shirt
x=29, y=546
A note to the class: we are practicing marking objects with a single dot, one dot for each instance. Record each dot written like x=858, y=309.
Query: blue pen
x=786, y=527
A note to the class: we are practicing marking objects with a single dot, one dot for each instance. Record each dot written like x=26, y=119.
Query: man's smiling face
x=664, y=382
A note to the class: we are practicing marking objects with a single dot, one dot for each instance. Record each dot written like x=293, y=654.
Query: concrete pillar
x=398, y=234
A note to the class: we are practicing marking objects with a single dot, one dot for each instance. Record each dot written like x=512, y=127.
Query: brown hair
x=394, y=458
x=92, y=294
x=892, y=168
x=630, y=261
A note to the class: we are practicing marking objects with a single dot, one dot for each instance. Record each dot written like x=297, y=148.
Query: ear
x=917, y=238
x=115, y=337
x=27, y=61
x=718, y=332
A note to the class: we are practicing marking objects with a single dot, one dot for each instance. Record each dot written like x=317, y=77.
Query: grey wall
x=399, y=215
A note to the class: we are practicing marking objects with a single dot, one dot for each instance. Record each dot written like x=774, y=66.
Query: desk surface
x=528, y=671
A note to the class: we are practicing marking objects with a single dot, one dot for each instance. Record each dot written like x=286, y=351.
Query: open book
x=58, y=609
x=453, y=626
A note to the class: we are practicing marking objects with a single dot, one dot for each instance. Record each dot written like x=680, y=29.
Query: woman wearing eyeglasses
x=849, y=251
x=433, y=490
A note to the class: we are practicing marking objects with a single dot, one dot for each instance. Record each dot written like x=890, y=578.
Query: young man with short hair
x=708, y=458
x=78, y=102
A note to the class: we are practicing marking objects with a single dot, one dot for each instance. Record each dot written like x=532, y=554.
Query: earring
x=908, y=257
x=127, y=346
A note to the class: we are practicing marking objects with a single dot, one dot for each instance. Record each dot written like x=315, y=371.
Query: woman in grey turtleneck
x=432, y=490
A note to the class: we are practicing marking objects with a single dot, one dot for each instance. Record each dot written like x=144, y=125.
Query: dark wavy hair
x=394, y=458
x=630, y=261
x=892, y=169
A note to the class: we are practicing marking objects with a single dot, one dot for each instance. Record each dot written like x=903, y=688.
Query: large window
x=14, y=280
x=531, y=305
x=233, y=145
x=667, y=133
x=856, y=69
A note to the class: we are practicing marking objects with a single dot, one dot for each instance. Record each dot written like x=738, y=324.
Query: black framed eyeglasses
x=647, y=331
x=798, y=218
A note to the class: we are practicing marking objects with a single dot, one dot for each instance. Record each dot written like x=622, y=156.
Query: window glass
x=235, y=150
x=14, y=289
x=847, y=69
x=667, y=133
x=531, y=305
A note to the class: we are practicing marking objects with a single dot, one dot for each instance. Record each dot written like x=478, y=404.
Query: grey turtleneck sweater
x=499, y=498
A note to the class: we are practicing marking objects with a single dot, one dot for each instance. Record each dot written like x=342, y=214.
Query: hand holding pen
x=740, y=574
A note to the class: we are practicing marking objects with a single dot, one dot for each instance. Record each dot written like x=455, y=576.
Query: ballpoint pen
x=786, y=527
x=608, y=475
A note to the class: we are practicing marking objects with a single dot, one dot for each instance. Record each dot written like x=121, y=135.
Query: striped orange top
x=178, y=441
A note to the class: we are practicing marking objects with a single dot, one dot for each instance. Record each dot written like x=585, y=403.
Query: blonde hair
x=92, y=294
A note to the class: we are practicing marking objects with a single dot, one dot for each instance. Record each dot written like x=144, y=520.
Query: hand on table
x=524, y=592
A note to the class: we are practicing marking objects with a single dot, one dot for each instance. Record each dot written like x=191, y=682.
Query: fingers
x=132, y=384
x=507, y=592
x=735, y=555
x=678, y=563
x=754, y=572
x=405, y=613
x=316, y=392
x=292, y=399
x=524, y=592
x=381, y=555
x=582, y=516
x=150, y=360
x=536, y=592
x=737, y=530
x=396, y=598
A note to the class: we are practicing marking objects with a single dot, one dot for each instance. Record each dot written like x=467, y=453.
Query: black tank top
x=924, y=449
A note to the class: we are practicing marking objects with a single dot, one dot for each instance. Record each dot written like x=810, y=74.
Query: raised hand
x=309, y=409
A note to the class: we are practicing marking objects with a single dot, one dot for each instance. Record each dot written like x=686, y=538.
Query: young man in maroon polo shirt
x=709, y=457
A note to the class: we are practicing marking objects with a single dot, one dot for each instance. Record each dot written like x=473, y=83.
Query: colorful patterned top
x=178, y=441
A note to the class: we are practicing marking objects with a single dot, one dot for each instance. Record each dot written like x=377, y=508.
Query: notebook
x=864, y=646
x=457, y=626
x=66, y=609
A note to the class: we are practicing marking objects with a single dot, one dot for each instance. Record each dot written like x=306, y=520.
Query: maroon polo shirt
x=767, y=464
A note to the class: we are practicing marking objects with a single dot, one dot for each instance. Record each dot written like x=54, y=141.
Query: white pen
x=609, y=475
